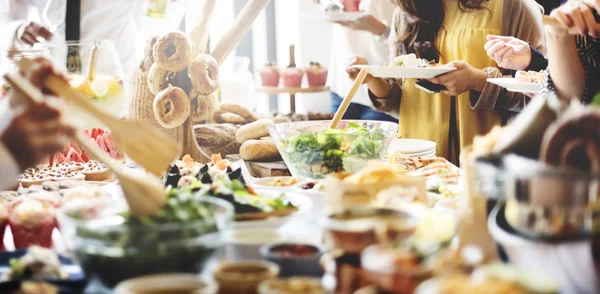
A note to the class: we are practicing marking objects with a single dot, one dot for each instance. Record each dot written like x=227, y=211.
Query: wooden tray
x=263, y=169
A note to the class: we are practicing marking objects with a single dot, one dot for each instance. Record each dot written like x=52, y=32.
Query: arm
x=523, y=20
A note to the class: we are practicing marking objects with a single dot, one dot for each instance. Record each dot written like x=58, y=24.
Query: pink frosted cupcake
x=31, y=222
x=316, y=75
x=351, y=5
x=269, y=75
x=292, y=77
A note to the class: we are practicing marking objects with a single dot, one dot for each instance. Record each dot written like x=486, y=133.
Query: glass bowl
x=310, y=152
x=110, y=250
x=105, y=90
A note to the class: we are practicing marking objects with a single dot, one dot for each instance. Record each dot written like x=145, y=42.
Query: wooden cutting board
x=263, y=169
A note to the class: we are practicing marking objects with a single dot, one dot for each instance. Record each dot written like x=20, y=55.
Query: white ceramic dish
x=570, y=264
x=512, y=85
x=411, y=146
x=335, y=16
x=245, y=244
x=395, y=72
x=167, y=283
x=263, y=183
x=420, y=153
x=302, y=202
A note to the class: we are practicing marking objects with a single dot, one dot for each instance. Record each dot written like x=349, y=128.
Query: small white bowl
x=166, y=283
x=245, y=244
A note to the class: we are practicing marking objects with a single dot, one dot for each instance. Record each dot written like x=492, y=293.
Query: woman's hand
x=465, y=78
x=504, y=51
x=30, y=33
x=353, y=72
x=367, y=23
x=578, y=15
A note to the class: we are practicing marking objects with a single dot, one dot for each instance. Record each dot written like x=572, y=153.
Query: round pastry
x=157, y=79
x=239, y=110
x=202, y=105
x=172, y=51
x=204, y=72
x=253, y=130
x=171, y=107
x=259, y=150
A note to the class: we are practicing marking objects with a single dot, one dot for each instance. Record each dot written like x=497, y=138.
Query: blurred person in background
x=366, y=36
x=24, y=24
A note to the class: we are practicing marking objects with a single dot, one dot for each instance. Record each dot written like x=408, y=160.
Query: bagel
x=247, y=115
x=202, y=106
x=259, y=150
x=157, y=79
x=172, y=51
x=253, y=130
x=204, y=73
x=171, y=107
x=148, y=59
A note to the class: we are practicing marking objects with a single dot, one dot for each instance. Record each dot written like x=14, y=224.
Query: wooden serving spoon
x=144, y=193
x=346, y=102
x=147, y=146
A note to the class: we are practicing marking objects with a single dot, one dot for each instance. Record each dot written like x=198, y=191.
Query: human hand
x=578, y=15
x=503, y=51
x=367, y=23
x=37, y=132
x=30, y=32
x=353, y=72
x=465, y=78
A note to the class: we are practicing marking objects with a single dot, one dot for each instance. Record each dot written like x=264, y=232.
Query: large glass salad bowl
x=310, y=149
x=113, y=247
x=104, y=87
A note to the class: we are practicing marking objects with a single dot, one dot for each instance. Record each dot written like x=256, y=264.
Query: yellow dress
x=428, y=116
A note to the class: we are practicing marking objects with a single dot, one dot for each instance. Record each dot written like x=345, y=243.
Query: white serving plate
x=303, y=203
x=512, y=85
x=395, y=72
x=423, y=154
x=411, y=146
x=245, y=244
x=262, y=183
x=335, y=16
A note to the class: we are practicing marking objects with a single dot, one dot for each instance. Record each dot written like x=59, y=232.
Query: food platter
x=512, y=85
x=395, y=72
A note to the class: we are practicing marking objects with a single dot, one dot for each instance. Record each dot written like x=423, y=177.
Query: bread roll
x=253, y=130
x=259, y=150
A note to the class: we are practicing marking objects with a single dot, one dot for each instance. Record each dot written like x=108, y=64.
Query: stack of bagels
x=183, y=85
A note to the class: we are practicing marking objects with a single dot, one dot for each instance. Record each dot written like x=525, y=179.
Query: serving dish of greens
x=112, y=247
x=310, y=149
x=252, y=207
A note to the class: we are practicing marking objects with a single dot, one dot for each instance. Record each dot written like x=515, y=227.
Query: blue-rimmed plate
x=74, y=284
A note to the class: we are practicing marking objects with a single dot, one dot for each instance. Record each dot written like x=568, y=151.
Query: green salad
x=315, y=155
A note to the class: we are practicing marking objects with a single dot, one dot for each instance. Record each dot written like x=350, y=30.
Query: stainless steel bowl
x=548, y=202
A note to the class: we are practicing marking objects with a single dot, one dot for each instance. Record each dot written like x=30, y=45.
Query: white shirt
x=121, y=21
x=347, y=43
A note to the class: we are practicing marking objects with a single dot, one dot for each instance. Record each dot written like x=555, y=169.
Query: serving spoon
x=346, y=102
x=144, y=193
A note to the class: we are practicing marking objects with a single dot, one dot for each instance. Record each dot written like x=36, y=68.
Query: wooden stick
x=346, y=102
x=201, y=32
x=549, y=21
x=292, y=55
x=238, y=30
x=92, y=65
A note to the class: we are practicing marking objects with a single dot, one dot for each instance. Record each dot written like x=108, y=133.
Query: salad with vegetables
x=317, y=154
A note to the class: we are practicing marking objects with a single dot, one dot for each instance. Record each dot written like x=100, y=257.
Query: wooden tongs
x=144, y=192
x=150, y=148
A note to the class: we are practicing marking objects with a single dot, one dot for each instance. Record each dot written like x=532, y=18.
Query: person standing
x=366, y=36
